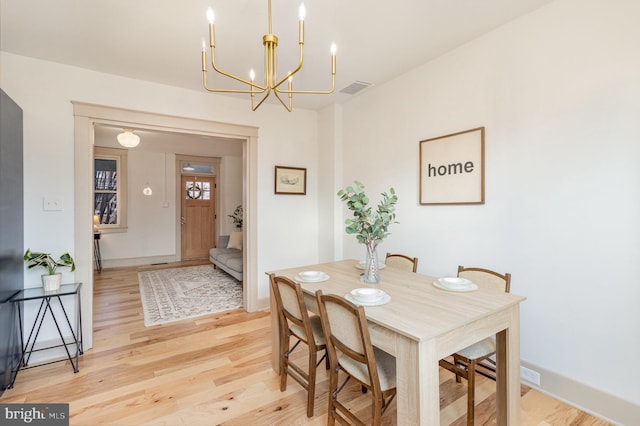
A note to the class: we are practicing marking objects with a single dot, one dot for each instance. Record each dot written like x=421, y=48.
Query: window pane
x=106, y=207
x=106, y=174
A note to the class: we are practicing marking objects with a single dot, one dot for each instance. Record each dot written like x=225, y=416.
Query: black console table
x=45, y=298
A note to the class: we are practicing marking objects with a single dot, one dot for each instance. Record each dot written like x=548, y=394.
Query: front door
x=198, y=216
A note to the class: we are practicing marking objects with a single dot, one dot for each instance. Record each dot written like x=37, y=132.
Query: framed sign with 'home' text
x=452, y=168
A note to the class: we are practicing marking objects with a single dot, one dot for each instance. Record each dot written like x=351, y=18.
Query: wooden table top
x=417, y=309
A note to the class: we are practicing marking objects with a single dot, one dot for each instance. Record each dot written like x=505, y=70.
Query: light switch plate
x=52, y=204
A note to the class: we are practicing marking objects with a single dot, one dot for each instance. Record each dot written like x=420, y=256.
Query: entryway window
x=110, y=189
x=197, y=190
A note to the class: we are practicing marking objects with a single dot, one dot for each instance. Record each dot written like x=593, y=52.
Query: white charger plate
x=462, y=289
x=384, y=299
x=320, y=279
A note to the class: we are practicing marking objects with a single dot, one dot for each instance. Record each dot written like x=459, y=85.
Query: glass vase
x=371, y=268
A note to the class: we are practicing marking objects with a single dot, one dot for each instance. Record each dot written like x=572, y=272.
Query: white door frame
x=85, y=117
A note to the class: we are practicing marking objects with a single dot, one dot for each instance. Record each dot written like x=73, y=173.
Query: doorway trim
x=86, y=116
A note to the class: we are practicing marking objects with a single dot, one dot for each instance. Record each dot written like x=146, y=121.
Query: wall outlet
x=52, y=204
x=530, y=375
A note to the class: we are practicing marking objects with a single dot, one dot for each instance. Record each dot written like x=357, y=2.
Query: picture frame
x=452, y=168
x=290, y=180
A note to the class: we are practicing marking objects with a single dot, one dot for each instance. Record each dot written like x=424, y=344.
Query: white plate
x=317, y=279
x=384, y=299
x=454, y=282
x=311, y=275
x=361, y=265
x=367, y=294
x=470, y=287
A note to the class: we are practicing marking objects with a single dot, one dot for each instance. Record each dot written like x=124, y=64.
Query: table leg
x=508, y=371
x=275, y=334
x=418, y=383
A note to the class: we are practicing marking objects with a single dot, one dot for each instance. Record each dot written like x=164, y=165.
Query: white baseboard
x=608, y=407
x=138, y=261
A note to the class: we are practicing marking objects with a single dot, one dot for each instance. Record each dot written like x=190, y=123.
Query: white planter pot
x=51, y=282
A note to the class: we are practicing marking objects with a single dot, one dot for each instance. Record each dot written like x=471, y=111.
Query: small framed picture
x=452, y=168
x=291, y=180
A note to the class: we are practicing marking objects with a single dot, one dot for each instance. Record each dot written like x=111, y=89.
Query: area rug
x=180, y=293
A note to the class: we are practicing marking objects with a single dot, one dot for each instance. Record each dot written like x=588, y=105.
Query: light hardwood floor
x=214, y=370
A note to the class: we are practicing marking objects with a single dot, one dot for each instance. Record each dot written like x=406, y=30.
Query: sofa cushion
x=235, y=240
x=223, y=241
x=235, y=263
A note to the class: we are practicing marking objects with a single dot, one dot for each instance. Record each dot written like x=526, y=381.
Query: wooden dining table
x=422, y=324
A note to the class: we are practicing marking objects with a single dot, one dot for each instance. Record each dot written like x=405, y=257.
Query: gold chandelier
x=271, y=82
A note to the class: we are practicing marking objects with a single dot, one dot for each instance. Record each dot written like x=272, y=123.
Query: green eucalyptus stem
x=366, y=224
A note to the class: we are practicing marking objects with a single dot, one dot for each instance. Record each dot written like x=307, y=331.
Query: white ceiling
x=160, y=40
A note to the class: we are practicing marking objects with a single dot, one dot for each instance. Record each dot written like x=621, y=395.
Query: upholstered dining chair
x=350, y=351
x=295, y=321
x=402, y=261
x=477, y=358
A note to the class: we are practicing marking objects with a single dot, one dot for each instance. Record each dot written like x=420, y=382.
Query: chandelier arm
x=261, y=101
x=311, y=92
x=241, y=80
x=208, y=89
x=291, y=73
x=288, y=107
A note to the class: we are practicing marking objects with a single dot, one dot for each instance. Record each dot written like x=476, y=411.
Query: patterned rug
x=175, y=294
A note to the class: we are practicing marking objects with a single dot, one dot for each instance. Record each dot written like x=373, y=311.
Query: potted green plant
x=51, y=280
x=370, y=227
x=237, y=216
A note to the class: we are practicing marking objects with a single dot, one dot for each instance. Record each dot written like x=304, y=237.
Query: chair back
x=400, y=261
x=346, y=330
x=486, y=278
x=291, y=308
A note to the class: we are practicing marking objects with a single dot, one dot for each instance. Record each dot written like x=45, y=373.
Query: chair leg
x=311, y=391
x=457, y=364
x=471, y=392
x=376, y=418
x=284, y=362
x=333, y=387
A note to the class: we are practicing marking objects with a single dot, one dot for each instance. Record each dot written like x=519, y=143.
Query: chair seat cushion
x=386, y=369
x=480, y=349
x=316, y=329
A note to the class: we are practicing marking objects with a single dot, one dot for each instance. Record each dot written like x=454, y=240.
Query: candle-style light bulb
x=210, y=15
x=333, y=58
x=204, y=46
x=204, y=56
x=252, y=75
x=302, y=11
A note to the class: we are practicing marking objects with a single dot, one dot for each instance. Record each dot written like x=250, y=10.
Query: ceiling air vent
x=355, y=87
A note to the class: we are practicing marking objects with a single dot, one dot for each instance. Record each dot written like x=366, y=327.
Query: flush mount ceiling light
x=271, y=82
x=128, y=139
x=188, y=167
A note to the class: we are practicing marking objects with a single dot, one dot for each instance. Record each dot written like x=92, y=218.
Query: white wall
x=231, y=170
x=151, y=227
x=559, y=94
